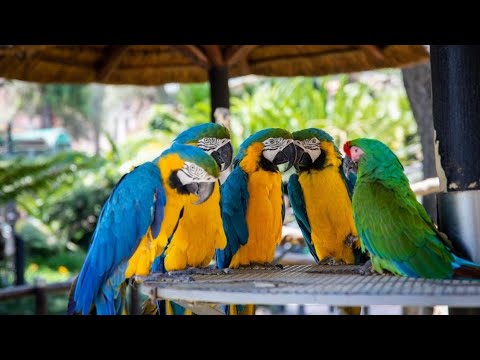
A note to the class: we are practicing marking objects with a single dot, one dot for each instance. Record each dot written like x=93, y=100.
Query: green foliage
x=22, y=175
x=373, y=106
x=345, y=109
x=193, y=108
x=75, y=215
x=56, y=305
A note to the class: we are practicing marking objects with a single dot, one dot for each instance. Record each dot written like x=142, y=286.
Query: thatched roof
x=159, y=64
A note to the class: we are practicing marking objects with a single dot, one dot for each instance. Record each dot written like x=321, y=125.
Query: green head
x=277, y=148
x=212, y=138
x=196, y=174
x=313, y=146
x=370, y=156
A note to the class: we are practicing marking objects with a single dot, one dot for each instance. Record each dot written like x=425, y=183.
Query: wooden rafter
x=373, y=50
x=214, y=54
x=237, y=53
x=193, y=53
x=112, y=57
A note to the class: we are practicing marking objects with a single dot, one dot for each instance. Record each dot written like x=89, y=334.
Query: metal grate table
x=311, y=284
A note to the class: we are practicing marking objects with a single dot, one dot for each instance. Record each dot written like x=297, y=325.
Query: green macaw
x=393, y=226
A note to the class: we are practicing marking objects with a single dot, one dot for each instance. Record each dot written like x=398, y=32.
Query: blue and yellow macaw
x=200, y=229
x=320, y=195
x=252, y=200
x=143, y=207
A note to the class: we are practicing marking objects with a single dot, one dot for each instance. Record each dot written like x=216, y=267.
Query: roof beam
x=237, y=53
x=193, y=53
x=373, y=50
x=112, y=57
x=214, y=55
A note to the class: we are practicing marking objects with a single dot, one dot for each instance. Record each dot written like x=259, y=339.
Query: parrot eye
x=311, y=144
x=208, y=144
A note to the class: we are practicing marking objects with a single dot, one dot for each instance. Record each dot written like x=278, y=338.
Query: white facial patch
x=191, y=173
x=272, y=146
x=310, y=146
x=210, y=144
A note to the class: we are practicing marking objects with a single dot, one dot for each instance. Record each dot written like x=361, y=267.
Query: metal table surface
x=311, y=284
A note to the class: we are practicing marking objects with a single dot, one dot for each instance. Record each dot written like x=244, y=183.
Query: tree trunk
x=47, y=109
x=96, y=113
x=418, y=84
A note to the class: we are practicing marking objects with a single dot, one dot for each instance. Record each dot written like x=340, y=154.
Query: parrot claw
x=264, y=266
x=366, y=269
x=351, y=240
x=331, y=261
x=200, y=271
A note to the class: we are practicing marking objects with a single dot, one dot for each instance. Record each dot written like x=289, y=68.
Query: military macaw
x=393, y=226
x=252, y=199
x=320, y=195
x=144, y=204
x=200, y=229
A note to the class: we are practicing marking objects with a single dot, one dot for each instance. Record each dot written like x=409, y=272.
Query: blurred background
x=63, y=147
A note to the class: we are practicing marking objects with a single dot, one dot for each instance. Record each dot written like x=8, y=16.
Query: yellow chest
x=199, y=233
x=263, y=217
x=329, y=212
x=142, y=259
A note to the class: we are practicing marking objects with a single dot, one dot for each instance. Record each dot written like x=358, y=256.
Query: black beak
x=288, y=154
x=304, y=161
x=224, y=156
x=349, y=167
x=203, y=190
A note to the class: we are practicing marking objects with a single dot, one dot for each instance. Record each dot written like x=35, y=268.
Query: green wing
x=394, y=227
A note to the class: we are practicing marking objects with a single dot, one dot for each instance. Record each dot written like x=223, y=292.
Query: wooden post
x=41, y=303
x=19, y=260
x=219, y=91
x=456, y=117
x=456, y=113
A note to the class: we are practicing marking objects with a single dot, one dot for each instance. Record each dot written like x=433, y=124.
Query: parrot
x=144, y=204
x=252, y=201
x=320, y=196
x=200, y=229
x=393, y=226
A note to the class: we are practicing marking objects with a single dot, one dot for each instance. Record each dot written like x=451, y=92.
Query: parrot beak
x=349, y=166
x=203, y=190
x=304, y=160
x=288, y=154
x=223, y=156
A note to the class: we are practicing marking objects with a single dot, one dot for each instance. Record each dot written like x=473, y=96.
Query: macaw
x=252, y=200
x=320, y=195
x=200, y=229
x=393, y=226
x=144, y=204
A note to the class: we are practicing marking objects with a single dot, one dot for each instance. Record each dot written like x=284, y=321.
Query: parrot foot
x=264, y=266
x=331, y=261
x=366, y=269
x=351, y=240
x=200, y=271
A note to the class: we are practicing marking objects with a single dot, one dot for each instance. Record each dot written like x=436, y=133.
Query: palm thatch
x=160, y=64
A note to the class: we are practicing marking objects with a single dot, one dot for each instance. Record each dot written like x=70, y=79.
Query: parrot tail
x=71, y=302
x=465, y=269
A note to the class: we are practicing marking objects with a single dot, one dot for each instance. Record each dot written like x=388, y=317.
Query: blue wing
x=234, y=199
x=350, y=181
x=136, y=203
x=295, y=194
